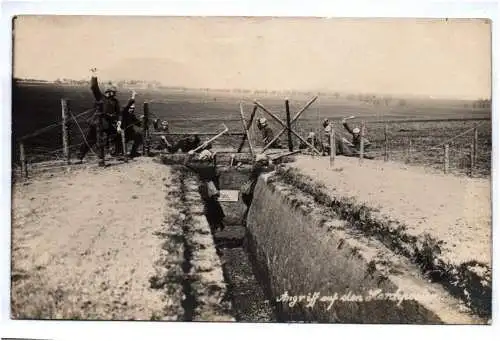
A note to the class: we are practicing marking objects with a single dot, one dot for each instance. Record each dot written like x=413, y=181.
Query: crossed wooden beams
x=286, y=127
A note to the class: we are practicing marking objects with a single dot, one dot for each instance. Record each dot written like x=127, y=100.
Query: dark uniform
x=208, y=175
x=248, y=188
x=268, y=135
x=185, y=145
x=110, y=110
x=131, y=124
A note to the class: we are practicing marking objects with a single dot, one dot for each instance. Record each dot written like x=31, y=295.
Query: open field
x=38, y=105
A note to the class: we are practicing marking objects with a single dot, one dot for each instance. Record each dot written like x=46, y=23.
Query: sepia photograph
x=251, y=169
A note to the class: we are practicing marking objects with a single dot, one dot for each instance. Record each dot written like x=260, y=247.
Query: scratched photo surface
x=251, y=169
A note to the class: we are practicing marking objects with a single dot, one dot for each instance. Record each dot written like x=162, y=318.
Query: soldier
x=185, y=144
x=203, y=164
x=262, y=163
x=356, y=138
x=130, y=125
x=267, y=133
x=110, y=111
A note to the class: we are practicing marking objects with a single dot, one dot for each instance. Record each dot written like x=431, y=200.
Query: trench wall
x=305, y=250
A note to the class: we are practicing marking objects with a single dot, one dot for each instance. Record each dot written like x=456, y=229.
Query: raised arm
x=346, y=126
x=94, y=85
x=124, y=111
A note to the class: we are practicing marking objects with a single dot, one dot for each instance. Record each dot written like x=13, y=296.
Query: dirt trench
x=243, y=294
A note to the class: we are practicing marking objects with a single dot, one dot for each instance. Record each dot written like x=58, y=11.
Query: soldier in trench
x=267, y=134
x=262, y=164
x=204, y=165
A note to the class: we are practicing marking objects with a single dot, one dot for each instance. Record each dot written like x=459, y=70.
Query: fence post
x=65, y=108
x=408, y=156
x=145, y=131
x=475, y=143
x=362, y=146
x=288, y=125
x=386, y=143
x=333, y=148
x=22, y=158
x=100, y=135
x=446, y=158
x=472, y=161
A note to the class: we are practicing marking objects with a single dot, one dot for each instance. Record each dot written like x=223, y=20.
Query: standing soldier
x=110, y=111
x=129, y=125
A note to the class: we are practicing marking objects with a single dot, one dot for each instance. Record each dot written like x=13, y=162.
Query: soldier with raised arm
x=110, y=111
x=130, y=125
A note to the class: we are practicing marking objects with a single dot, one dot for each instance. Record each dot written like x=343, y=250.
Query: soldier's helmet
x=110, y=89
x=205, y=155
x=262, y=122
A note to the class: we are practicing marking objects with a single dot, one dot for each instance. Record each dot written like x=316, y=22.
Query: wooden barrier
x=246, y=133
x=246, y=126
x=277, y=119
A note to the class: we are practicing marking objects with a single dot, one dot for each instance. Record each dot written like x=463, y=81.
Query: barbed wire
x=52, y=126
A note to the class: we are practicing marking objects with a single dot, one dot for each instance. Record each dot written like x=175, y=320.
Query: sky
x=425, y=57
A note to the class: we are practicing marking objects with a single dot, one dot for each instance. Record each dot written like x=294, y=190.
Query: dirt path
x=84, y=243
x=456, y=210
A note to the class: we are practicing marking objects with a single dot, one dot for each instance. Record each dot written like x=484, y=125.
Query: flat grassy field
x=38, y=105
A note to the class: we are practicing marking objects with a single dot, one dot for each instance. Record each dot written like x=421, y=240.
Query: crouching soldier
x=130, y=125
x=342, y=145
x=354, y=147
x=203, y=164
x=267, y=134
x=185, y=144
x=110, y=107
x=312, y=140
x=162, y=143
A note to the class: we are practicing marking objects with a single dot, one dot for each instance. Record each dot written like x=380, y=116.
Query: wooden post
x=22, y=159
x=145, y=130
x=362, y=146
x=246, y=134
x=245, y=127
x=408, y=152
x=446, y=158
x=124, y=145
x=472, y=161
x=65, y=108
x=283, y=124
x=289, y=125
x=100, y=135
x=386, y=143
x=333, y=147
x=475, y=143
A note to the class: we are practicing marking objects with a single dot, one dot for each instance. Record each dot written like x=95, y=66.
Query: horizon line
x=159, y=84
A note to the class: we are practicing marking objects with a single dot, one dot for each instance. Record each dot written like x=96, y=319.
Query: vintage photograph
x=251, y=169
